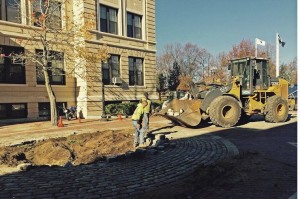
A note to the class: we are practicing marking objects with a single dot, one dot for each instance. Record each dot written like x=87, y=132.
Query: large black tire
x=277, y=109
x=224, y=111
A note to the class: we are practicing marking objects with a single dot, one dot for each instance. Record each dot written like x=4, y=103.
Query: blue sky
x=217, y=25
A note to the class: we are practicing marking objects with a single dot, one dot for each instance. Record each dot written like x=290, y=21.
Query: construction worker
x=147, y=111
x=137, y=118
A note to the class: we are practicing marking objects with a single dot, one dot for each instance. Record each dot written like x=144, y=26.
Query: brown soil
x=75, y=149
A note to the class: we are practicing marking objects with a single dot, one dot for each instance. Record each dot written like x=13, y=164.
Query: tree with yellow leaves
x=184, y=83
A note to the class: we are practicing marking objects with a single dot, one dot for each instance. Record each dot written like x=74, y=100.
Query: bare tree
x=193, y=60
x=293, y=69
x=289, y=71
x=219, y=70
x=56, y=36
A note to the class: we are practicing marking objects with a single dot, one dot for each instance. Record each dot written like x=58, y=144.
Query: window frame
x=7, y=66
x=108, y=20
x=133, y=30
x=39, y=71
x=110, y=69
x=4, y=12
x=133, y=74
x=9, y=113
x=46, y=107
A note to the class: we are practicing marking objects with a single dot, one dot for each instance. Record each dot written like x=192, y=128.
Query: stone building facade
x=125, y=27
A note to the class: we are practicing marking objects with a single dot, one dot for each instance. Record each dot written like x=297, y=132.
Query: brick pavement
x=121, y=179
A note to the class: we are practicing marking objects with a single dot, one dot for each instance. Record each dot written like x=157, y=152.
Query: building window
x=53, y=19
x=111, y=69
x=108, y=19
x=136, y=74
x=11, y=71
x=55, y=68
x=134, y=26
x=44, y=109
x=10, y=10
x=13, y=111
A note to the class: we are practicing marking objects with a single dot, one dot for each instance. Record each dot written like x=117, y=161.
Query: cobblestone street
x=118, y=179
x=133, y=176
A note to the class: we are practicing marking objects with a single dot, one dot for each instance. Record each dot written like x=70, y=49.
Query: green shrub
x=129, y=107
x=121, y=108
x=111, y=109
x=126, y=108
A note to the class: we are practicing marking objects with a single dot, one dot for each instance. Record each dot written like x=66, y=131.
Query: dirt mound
x=52, y=152
x=75, y=149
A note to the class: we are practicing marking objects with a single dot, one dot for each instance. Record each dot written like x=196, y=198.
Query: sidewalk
x=18, y=133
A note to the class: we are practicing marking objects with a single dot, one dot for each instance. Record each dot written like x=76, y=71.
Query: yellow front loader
x=251, y=91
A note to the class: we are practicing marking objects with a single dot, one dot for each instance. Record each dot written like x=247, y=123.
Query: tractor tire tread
x=214, y=112
x=270, y=112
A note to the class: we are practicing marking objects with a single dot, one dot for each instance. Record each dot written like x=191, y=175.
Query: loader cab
x=253, y=74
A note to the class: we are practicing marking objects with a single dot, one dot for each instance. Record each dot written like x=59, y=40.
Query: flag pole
x=277, y=55
x=255, y=47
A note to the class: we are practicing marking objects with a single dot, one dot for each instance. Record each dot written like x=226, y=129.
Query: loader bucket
x=183, y=112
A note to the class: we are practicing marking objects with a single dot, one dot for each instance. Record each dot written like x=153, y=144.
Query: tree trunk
x=51, y=95
x=159, y=96
x=52, y=99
